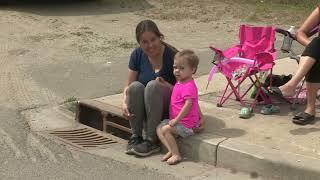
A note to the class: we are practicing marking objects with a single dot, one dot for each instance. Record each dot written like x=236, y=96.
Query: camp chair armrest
x=264, y=60
x=216, y=50
x=264, y=57
x=228, y=53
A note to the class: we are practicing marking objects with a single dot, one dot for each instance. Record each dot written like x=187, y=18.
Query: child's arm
x=184, y=111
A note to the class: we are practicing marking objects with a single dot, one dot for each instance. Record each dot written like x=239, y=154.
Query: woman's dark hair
x=147, y=25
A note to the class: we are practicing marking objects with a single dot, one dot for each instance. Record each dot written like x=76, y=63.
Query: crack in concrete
x=216, y=155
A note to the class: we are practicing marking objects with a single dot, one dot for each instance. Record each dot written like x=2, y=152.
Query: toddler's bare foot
x=166, y=157
x=174, y=159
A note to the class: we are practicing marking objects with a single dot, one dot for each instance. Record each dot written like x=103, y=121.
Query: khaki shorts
x=181, y=130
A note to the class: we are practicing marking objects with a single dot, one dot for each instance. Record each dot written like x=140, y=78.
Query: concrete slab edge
x=256, y=160
x=198, y=148
x=271, y=163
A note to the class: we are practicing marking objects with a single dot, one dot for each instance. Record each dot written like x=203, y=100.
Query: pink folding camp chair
x=254, y=56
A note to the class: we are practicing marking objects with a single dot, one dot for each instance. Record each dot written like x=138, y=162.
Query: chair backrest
x=256, y=39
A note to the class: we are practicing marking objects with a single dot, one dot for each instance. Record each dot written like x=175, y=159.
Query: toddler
x=184, y=111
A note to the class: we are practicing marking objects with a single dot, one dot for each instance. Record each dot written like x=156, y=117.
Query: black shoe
x=146, y=148
x=131, y=143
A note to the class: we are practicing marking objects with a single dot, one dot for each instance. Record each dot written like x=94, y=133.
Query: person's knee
x=166, y=129
x=135, y=87
x=159, y=131
x=153, y=85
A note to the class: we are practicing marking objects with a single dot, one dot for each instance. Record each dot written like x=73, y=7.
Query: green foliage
x=71, y=103
x=300, y=4
x=70, y=99
x=276, y=12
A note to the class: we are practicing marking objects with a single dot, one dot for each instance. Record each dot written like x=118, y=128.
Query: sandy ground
x=52, y=52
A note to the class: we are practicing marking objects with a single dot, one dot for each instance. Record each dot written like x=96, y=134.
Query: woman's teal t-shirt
x=139, y=62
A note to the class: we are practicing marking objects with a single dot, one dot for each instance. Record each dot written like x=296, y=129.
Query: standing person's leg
x=308, y=115
x=157, y=99
x=313, y=85
x=312, y=90
x=137, y=108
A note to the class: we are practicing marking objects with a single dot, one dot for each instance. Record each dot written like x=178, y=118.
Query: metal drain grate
x=85, y=137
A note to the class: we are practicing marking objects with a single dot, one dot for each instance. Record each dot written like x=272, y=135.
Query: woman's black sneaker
x=131, y=143
x=146, y=148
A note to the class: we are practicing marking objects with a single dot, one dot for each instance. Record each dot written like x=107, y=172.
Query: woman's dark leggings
x=149, y=105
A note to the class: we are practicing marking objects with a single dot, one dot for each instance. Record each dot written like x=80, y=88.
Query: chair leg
x=234, y=91
x=223, y=99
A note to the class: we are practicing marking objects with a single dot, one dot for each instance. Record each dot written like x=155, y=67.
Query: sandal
x=270, y=109
x=245, y=113
x=275, y=91
x=303, y=118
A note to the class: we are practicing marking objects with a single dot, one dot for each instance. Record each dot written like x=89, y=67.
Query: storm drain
x=85, y=138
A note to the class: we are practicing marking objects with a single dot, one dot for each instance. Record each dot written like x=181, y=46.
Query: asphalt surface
x=24, y=154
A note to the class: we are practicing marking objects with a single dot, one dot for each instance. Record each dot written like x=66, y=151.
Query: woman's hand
x=164, y=82
x=125, y=110
x=161, y=80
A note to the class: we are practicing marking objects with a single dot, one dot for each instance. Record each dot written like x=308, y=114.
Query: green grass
x=70, y=99
x=71, y=103
x=128, y=45
x=291, y=12
x=123, y=43
x=140, y=4
x=278, y=12
x=299, y=4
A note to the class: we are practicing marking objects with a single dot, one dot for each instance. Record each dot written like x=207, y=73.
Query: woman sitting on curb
x=146, y=100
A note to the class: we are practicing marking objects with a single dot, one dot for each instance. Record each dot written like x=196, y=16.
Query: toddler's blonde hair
x=190, y=57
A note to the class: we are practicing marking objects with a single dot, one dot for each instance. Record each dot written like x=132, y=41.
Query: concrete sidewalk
x=266, y=145
x=269, y=145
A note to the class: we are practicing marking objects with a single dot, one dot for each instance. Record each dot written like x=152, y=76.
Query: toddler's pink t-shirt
x=180, y=93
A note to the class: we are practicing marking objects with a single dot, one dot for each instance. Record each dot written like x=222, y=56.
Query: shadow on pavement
x=75, y=7
x=304, y=131
x=215, y=126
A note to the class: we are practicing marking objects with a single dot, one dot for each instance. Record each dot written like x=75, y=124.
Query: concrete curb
x=199, y=148
x=266, y=162
x=256, y=160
